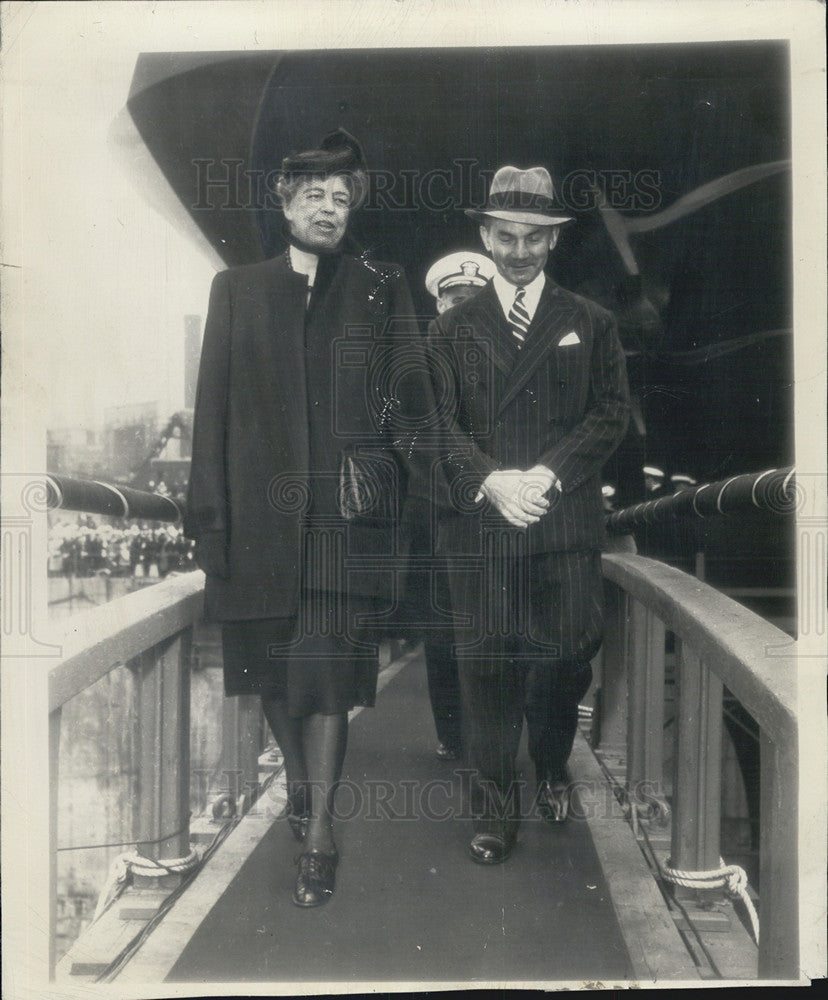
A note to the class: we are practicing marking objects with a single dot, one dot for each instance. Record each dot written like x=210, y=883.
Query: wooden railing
x=150, y=631
x=718, y=643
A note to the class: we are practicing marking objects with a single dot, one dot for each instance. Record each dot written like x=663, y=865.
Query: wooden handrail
x=149, y=631
x=753, y=658
x=94, y=641
x=719, y=642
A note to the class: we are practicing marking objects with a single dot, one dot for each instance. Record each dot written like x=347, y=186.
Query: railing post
x=163, y=677
x=778, y=862
x=241, y=745
x=695, y=840
x=250, y=744
x=645, y=730
x=610, y=721
x=54, y=778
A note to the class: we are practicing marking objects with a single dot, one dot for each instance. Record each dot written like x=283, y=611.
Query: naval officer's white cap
x=461, y=268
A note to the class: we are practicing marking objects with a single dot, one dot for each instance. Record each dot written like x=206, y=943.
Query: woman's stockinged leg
x=288, y=734
x=324, y=739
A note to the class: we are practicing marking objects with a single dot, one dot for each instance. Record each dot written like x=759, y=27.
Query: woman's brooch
x=389, y=405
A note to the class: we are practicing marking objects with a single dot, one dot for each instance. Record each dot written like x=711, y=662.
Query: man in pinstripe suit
x=532, y=389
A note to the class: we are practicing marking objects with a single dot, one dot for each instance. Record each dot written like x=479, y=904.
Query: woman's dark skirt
x=321, y=661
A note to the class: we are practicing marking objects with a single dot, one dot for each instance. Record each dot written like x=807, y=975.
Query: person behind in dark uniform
x=654, y=482
x=682, y=481
x=451, y=280
x=534, y=383
x=456, y=277
x=615, y=543
x=656, y=540
x=265, y=504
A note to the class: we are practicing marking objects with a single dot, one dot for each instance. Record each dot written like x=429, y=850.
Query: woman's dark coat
x=249, y=478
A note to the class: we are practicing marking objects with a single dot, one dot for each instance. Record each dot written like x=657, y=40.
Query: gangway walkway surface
x=410, y=905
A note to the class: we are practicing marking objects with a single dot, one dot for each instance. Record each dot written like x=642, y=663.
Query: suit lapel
x=553, y=319
x=487, y=326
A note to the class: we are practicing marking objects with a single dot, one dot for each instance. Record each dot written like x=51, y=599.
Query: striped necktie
x=518, y=316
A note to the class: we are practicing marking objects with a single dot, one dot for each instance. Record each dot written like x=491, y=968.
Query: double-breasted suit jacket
x=250, y=479
x=560, y=399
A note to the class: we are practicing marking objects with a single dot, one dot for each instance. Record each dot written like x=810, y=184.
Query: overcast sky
x=107, y=278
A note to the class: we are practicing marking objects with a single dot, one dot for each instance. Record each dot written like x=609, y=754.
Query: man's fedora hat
x=521, y=196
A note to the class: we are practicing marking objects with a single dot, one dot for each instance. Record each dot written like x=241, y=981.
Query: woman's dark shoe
x=316, y=879
x=298, y=813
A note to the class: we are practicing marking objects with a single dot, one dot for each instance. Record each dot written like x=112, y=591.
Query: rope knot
x=736, y=881
x=131, y=863
x=732, y=878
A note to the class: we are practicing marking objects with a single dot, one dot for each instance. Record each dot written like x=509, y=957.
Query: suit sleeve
x=407, y=373
x=460, y=454
x=583, y=451
x=207, y=500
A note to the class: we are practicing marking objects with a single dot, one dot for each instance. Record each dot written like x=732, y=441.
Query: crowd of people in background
x=85, y=547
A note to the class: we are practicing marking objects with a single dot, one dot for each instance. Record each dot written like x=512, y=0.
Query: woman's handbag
x=370, y=487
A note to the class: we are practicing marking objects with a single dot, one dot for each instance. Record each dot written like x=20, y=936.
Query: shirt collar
x=303, y=262
x=506, y=293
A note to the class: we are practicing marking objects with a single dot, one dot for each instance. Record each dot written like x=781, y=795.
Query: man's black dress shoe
x=489, y=849
x=553, y=800
x=317, y=875
x=446, y=752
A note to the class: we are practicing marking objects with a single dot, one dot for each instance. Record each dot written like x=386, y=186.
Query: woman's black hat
x=339, y=152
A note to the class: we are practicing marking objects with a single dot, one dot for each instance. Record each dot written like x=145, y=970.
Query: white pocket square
x=570, y=339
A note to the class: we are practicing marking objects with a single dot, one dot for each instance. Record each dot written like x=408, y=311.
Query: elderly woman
x=290, y=388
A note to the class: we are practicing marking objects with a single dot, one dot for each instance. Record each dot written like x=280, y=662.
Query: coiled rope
x=731, y=878
x=131, y=863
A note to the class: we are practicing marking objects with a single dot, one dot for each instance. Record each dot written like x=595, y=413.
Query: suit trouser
x=444, y=689
x=428, y=607
x=429, y=600
x=493, y=712
x=537, y=667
